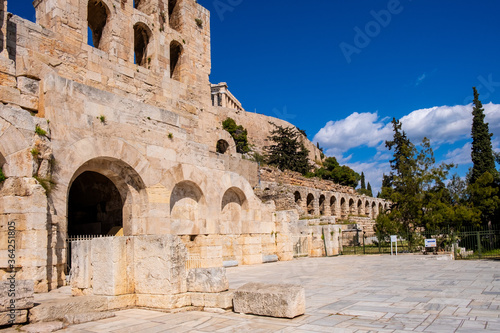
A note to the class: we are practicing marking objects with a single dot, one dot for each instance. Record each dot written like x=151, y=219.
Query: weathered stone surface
x=164, y=301
x=159, y=265
x=207, y=280
x=57, y=309
x=222, y=300
x=18, y=294
x=79, y=318
x=46, y=327
x=13, y=317
x=273, y=300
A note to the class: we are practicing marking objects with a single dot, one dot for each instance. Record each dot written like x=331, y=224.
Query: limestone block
x=109, y=266
x=17, y=293
x=17, y=317
x=159, y=265
x=81, y=268
x=79, y=318
x=274, y=300
x=207, y=280
x=43, y=327
x=164, y=301
x=28, y=85
x=57, y=309
x=121, y=301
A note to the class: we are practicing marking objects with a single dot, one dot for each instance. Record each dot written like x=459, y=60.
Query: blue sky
x=342, y=69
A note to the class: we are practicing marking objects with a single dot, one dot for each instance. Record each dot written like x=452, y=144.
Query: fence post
x=364, y=250
x=479, y=244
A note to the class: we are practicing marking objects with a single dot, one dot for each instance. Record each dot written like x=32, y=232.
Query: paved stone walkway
x=349, y=294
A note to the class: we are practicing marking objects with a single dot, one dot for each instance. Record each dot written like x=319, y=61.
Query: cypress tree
x=482, y=153
x=363, y=186
x=369, y=190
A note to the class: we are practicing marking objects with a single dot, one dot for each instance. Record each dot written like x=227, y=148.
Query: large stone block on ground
x=207, y=280
x=159, y=265
x=18, y=292
x=273, y=300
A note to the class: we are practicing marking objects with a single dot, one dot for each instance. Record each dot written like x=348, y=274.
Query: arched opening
x=184, y=202
x=222, y=146
x=97, y=18
x=142, y=35
x=322, y=204
x=380, y=208
x=95, y=206
x=367, y=208
x=360, y=207
x=333, y=203
x=231, y=206
x=173, y=15
x=310, y=204
x=297, y=198
x=175, y=60
x=352, y=207
x=343, y=208
x=374, y=210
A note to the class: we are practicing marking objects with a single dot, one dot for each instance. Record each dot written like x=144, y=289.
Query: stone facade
x=118, y=136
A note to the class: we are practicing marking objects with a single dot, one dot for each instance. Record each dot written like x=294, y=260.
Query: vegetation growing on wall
x=239, y=134
x=2, y=175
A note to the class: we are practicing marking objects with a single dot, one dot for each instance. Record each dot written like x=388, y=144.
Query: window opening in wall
x=222, y=146
x=175, y=59
x=97, y=16
x=173, y=15
x=141, y=41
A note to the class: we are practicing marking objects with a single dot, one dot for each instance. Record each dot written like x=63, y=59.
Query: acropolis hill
x=119, y=139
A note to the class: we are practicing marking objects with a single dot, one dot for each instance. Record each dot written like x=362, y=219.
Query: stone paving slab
x=348, y=294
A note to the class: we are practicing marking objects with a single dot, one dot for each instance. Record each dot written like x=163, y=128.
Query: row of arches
x=339, y=205
x=101, y=203
x=100, y=34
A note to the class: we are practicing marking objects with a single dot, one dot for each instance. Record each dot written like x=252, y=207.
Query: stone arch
x=222, y=146
x=142, y=39
x=98, y=17
x=297, y=198
x=322, y=200
x=374, y=210
x=95, y=205
x=367, y=208
x=233, y=205
x=117, y=189
x=176, y=51
x=174, y=17
x=360, y=207
x=352, y=207
x=310, y=204
x=333, y=205
x=186, y=203
x=343, y=208
x=380, y=208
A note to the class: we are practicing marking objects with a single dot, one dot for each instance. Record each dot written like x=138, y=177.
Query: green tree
x=288, y=151
x=386, y=190
x=239, y=134
x=484, y=196
x=369, y=190
x=418, y=192
x=332, y=170
x=363, y=186
x=482, y=153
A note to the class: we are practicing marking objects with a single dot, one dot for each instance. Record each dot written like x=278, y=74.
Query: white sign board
x=394, y=239
x=430, y=243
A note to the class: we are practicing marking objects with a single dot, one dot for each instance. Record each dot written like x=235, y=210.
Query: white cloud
x=420, y=79
x=447, y=124
x=359, y=129
x=373, y=172
x=459, y=155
